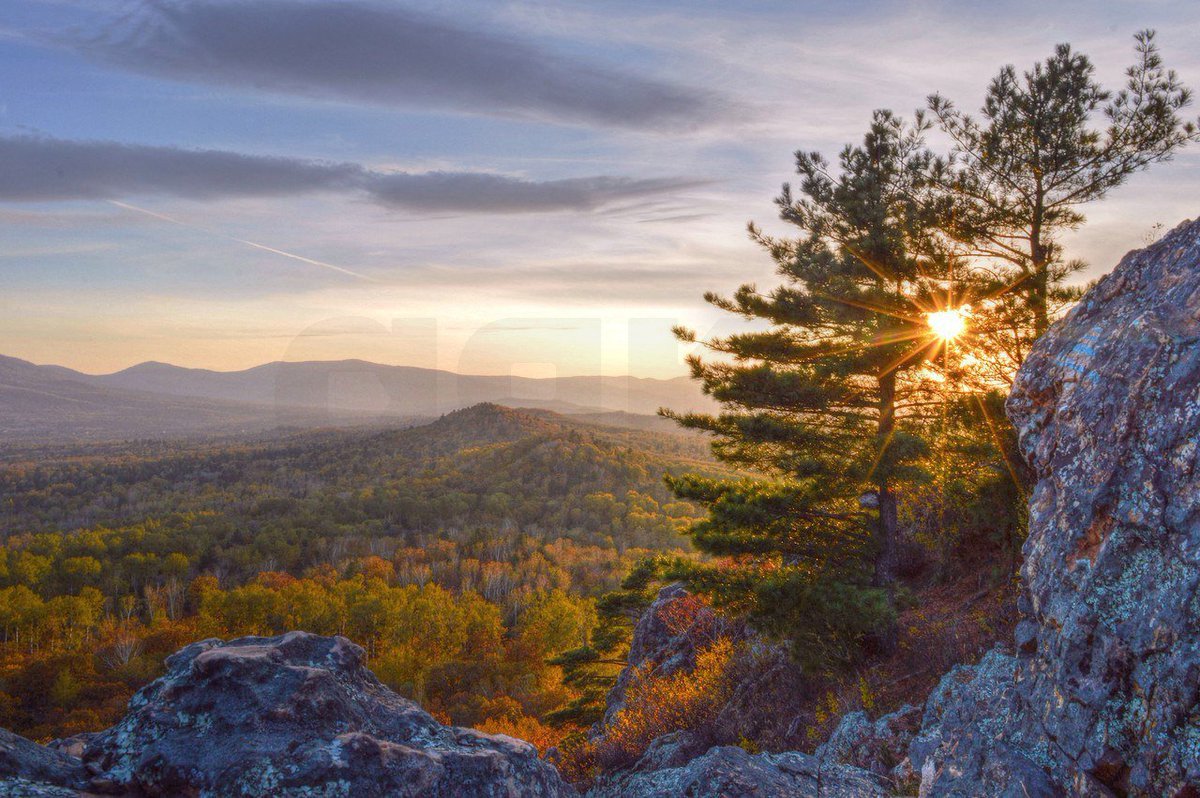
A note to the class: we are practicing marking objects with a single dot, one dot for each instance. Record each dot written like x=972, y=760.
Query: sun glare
x=949, y=323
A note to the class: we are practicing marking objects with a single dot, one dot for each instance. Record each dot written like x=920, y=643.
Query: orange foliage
x=656, y=704
x=525, y=728
x=690, y=615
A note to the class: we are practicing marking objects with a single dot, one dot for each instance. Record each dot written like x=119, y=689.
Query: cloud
x=34, y=168
x=38, y=169
x=465, y=191
x=377, y=54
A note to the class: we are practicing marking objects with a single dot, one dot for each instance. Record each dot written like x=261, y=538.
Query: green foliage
x=973, y=512
x=1048, y=141
x=592, y=668
x=826, y=405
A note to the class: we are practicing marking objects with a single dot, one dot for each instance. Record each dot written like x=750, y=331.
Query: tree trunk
x=887, y=534
x=1039, y=289
x=887, y=526
x=1039, y=298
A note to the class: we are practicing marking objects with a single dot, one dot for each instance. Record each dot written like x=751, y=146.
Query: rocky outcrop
x=1099, y=695
x=298, y=715
x=1102, y=697
x=700, y=762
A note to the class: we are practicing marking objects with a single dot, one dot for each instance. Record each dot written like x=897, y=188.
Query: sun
x=948, y=324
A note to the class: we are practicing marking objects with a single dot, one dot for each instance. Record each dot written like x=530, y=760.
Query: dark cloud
x=38, y=168
x=383, y=55
x=464, y=191
x=34, y=169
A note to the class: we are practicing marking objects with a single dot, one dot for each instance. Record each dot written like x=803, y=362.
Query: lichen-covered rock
x=1102, y=697
x=23, y=788
x=964, y=749
x=731, y=772
x=878, y=747
x=1108, y=409
x=299, y=715
x=25, y=764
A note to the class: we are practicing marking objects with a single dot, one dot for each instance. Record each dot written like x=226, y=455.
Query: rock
x=671, y=751
x=73, y=745
x=957, y=752
x=763, y=676
x=22, y=788
x=876, y=747
x=1025, y=637
x=299, y=714
x=730, y=772
x=1103, y=699
x=25, y=764
x=655, y=643
x=699, y=763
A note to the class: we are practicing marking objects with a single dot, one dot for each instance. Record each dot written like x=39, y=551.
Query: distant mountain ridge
x=158, y=400
x=54, y=403
x=365, y=387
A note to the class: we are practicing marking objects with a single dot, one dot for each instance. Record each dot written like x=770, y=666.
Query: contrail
x=263, y=247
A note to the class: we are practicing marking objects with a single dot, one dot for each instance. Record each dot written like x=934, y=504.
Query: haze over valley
x=157, y=400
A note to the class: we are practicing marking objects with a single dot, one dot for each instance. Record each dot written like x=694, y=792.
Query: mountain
x=362, y=387
x=159, y=400
x=40, y=403
x=451, y=472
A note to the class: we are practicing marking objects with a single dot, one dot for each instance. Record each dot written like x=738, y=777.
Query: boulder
x=298, y=714
x=27, y=768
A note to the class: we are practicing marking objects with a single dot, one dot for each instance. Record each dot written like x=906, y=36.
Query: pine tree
x=592, y=668
x=1018, y=175
x=826, y=403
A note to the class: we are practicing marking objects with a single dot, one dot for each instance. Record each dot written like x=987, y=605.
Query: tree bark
x=1039, y=289
x=887, y=527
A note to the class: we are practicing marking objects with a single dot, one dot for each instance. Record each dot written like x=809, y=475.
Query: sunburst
x=950, y=323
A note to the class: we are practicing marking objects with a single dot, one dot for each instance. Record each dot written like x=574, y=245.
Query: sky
x=523, y=187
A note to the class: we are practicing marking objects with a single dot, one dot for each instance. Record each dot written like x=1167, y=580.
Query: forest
x=463, y=555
